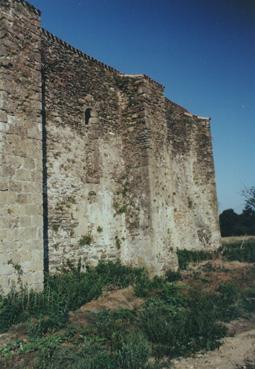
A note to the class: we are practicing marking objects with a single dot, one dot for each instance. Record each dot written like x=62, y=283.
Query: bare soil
x=237, y=348
x=234, y=353
x=110, y=300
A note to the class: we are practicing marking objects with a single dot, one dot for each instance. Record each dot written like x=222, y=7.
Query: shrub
x=112, y=324
x=172, y=276
x=63, y=292
x=44, y=324
x=202, y=325
x=227, y=301
x=163, y=325
x=91, y=355
x=134, y=352
x=118, y=275
x=146, y=287
x=240, y=251
x=180, y=324
x=192, y=256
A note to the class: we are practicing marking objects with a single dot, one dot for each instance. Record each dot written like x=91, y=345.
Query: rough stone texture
x=21, y=221
x=194, y=201
x=135, y=183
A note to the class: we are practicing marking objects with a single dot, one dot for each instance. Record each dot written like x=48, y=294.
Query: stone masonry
x=95, y=164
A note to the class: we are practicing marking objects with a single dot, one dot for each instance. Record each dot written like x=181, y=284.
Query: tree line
x=233, y=224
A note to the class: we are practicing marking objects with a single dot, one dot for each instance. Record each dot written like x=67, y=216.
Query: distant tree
x=249, y=195
x=228, y=223
x=247, y=221
x=232, y=224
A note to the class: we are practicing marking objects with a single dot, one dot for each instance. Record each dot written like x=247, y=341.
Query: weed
x=174, y=320
x=146, y=287
x=87, y=239
x=134, y=352
x=111, y=325
x=120, y=209
x=187, y=256
x=65, y=291
x=172, y=276
x=55, y=227
x=240, y=251
x=118, y=242
x=227, y=300
x=181, y=326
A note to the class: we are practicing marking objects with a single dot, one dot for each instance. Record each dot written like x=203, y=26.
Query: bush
x=175, y=319
x=44, y=324
x=181, y=325
x=228, y=302
x=163, y=325
x=240, y=251
x=112, y=324
x=203, y=325
x=63, y=292
x=146, y=287
x=118, y=275
x=192, y=256
x=91, y=355
x=173, y=276
x=134, y=352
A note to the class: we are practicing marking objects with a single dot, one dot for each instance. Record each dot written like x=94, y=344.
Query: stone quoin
x=95, y=164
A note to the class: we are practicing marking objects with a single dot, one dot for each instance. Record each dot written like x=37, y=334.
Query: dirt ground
x=237, y=349
x=234, y=353
x=112, y=300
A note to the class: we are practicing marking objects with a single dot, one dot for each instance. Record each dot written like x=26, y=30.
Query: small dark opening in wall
x=87, y=115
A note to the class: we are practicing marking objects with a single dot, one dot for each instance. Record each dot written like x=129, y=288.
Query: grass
x=192, y=256
x=243, y=251
x=62, y=293
x=176, y=319
x=240, y=250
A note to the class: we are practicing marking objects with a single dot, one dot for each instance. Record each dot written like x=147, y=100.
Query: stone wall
x=194, y=201
x=84, y=161
x=122, y=172
x=97, y=173
x=21, y=223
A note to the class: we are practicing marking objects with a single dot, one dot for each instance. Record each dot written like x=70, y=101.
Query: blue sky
x=202, y=51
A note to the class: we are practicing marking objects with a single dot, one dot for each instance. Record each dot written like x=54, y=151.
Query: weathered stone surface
x=21, y=219
x=124, y=172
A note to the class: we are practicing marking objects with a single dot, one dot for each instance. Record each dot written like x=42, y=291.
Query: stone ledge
x=29, y=6
x=66, y=45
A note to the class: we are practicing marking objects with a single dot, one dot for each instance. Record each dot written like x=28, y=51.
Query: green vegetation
x=118, y=243
x=87, y=239
x=175, y=319
x=182, y=312
x=241, y=251
x=120, y=209
x=62, y=293
x=233, y=224
x=55, y=227
x=192, y=256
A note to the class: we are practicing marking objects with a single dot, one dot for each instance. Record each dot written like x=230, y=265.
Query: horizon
x=208, y=67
